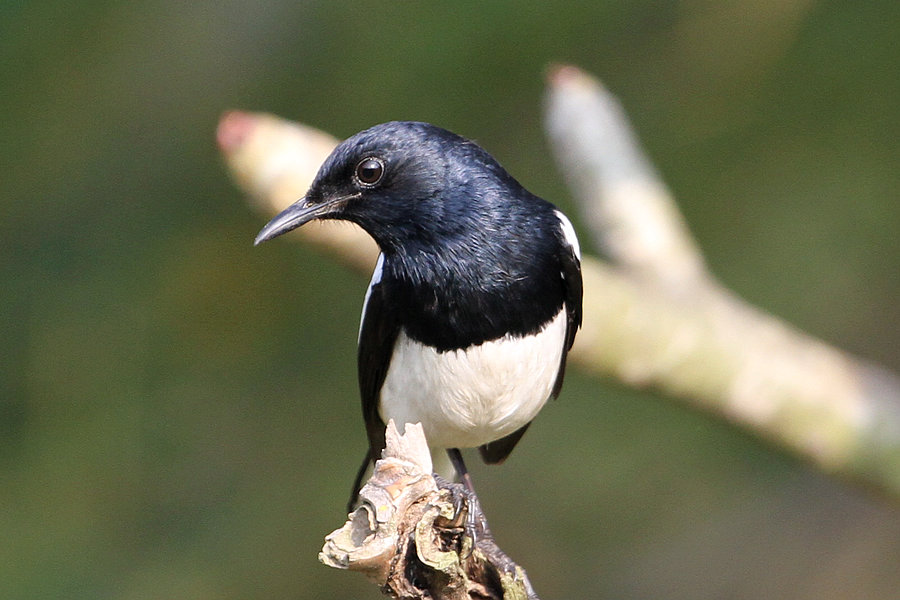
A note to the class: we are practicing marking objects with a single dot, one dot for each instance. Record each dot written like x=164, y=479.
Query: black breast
x=456, y=296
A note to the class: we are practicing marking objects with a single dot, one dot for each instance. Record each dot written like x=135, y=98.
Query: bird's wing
x=570, y=271
x=378, y=331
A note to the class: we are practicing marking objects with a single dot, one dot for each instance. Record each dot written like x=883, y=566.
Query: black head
x=403, y=182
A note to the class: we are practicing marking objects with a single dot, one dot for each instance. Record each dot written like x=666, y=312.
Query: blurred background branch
x=654, y=316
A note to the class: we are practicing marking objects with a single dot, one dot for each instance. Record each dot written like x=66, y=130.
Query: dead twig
x=419, y=537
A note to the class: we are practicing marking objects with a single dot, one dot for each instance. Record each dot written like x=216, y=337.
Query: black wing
x=377, y=334
x=570, y=270
x=569, y=256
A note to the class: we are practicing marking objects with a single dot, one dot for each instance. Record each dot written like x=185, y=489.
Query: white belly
x=465, y=398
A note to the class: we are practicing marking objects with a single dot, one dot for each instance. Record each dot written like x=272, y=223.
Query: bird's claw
x=468, y=519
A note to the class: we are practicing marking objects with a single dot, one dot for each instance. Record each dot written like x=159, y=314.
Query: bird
x=476, y=295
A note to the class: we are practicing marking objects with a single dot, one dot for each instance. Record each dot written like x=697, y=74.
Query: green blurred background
x=171, y=398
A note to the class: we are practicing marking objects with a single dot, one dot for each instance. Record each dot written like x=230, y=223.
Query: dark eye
x=369, y=171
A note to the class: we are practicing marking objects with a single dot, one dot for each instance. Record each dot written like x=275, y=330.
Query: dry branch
x=409, y=534
x=653, y=316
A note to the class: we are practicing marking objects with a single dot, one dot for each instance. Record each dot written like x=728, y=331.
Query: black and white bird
x=476, y=295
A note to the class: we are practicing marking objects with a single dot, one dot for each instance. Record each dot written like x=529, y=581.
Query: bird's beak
x=300, y=212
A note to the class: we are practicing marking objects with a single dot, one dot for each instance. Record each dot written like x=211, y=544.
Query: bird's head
x=399, y=181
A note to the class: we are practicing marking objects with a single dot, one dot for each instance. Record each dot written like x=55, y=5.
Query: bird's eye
x=369, y=171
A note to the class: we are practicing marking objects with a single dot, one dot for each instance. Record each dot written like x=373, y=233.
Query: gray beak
x=291, y=218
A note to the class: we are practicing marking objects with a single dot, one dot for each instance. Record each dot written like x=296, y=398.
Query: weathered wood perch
x=409, y=534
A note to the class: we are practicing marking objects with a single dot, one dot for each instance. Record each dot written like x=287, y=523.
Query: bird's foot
x=468, y=525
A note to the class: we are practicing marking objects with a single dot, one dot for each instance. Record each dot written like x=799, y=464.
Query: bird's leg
x=475, y=524
x=460, y=467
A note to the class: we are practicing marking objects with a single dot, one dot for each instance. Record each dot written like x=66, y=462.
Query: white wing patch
x=569, y=233
x=376, y=279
